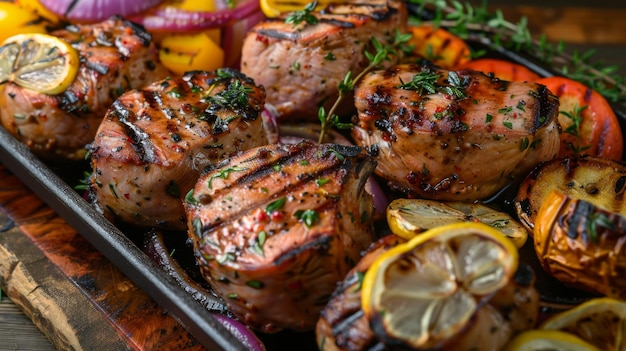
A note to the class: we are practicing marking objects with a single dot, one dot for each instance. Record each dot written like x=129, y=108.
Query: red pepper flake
x=127, y=196
x=262, y=216
x=277, y=216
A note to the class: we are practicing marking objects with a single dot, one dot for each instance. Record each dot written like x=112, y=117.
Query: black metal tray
x=55, y=189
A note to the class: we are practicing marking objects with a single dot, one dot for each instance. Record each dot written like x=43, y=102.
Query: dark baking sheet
x=114, y=245
x=55, y=189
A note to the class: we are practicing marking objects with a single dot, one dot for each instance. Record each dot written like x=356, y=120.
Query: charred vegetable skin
x=153, y=143
x=582, y=245
x=301, y=62
x=450, y=135
x=275, y=228
x=116, y=55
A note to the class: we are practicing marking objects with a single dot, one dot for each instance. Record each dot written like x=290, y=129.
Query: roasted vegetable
x=501, y=69
x=599, y=181
x=581, y=244
x=439, y=46
x=589, y=124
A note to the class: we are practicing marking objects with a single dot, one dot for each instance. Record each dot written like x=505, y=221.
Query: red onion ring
x=96, y=10
x=173, y=19
x=240, y=332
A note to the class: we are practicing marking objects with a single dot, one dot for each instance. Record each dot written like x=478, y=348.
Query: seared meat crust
x=464, y=139
x=115, y=56
x=153, y=143
x=275, y=229
x=301, y=65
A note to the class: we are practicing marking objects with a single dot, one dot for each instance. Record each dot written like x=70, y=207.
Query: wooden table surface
x=582, y=27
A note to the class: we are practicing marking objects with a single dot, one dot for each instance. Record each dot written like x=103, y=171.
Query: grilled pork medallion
x=275, y=228
x=300, y=64
x=115, y=56
x=453, y=135
x=153, y=143
x=343, y=325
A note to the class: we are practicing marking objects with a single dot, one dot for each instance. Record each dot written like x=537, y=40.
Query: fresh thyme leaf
x=275, y=205
x=574, y=129
x=424, y=81
x=224, y=173
x=427, y=81
x=303, y=15
x=595, y=221
x=308, y=217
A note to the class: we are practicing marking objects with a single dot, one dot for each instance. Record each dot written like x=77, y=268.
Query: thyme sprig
x=492, y=29
x=304, y=15
x=574, y=129
x=381, y=53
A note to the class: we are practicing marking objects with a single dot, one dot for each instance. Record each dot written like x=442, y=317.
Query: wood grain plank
x=76, y=296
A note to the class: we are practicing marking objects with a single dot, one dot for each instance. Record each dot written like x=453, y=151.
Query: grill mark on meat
x=320, y=244
x=140, y=140
x=293, y=157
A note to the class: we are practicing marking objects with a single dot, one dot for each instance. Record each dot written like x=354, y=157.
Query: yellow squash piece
x=187, y=52
x=36, y=7
x=17, y=20
x=548, y=340
x=408, y=217
x=425, y=292
x=38, y=62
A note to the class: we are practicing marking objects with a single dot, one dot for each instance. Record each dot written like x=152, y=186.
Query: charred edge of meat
x=320, y=244
x=378, y=13
x=140, y=140
x=548, y=106
x=139, y=31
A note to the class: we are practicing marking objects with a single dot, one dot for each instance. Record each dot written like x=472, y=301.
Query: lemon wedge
x=548, y=340
x=599, y=321
x=408, y=217
x=424, y=292
x=39, y=62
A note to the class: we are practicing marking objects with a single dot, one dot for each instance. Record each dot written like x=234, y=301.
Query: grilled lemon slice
x=39, y=62
x=548, y=340
x=407, y=217
x=424, y=292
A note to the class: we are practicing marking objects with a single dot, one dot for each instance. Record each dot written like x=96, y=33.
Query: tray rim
x=115, y=246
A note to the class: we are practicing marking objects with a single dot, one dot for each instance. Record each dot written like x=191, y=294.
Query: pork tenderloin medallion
x=275, y=228
x=300, y=65
x=115, y=56
x=154, y=143
x=459, y=136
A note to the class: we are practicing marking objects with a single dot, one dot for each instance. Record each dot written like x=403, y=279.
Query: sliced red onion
x=173, y=19
x=269, y=115
x=233, y=36
x=97, y=10
x=240, y=332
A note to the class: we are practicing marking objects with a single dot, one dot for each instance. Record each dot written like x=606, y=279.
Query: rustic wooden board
x=68, y=289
